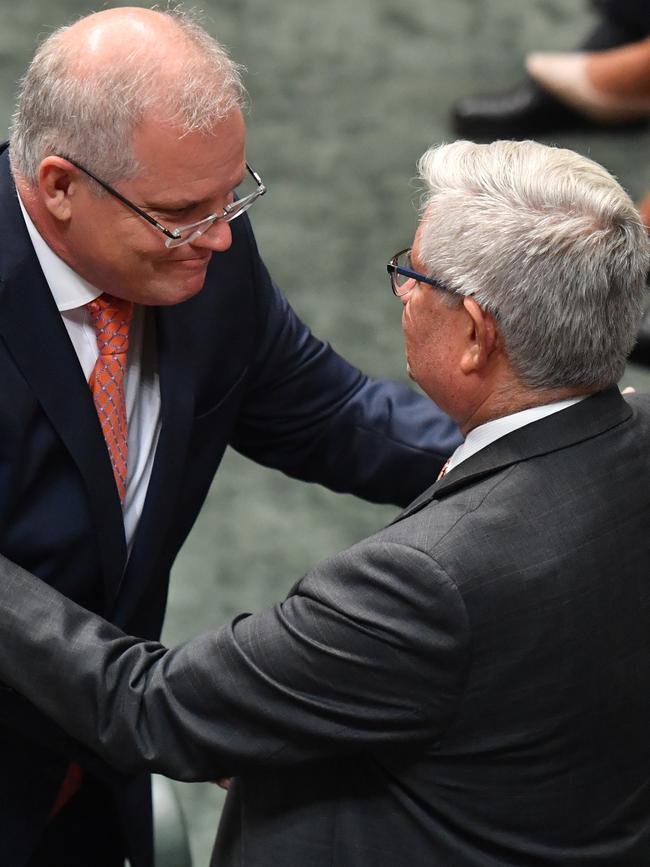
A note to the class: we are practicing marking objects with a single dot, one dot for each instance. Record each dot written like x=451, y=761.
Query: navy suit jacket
x=469, y=687
x=237, y=367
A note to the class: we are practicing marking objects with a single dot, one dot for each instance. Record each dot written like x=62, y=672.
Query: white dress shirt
x=487, y=433
x=141, y=384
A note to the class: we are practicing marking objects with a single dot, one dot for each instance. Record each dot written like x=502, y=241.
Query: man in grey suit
x=471, y=685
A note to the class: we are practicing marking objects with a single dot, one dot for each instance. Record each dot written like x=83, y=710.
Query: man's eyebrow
x=187, y=204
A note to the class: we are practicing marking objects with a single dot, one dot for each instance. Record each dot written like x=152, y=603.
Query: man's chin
x=187, y=285
x=192, y=284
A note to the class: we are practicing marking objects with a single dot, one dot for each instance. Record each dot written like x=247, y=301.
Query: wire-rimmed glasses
x=190, y=232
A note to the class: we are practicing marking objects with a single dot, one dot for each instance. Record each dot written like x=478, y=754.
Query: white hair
x=90, y=114
x=549, y=243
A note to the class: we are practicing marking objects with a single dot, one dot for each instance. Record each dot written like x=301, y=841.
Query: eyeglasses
x=190, y=232
x=400, y=269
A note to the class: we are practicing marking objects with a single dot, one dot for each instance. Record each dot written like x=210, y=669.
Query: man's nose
x=218, y=237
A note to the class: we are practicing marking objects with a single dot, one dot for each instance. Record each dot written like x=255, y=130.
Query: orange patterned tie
x=111, y=319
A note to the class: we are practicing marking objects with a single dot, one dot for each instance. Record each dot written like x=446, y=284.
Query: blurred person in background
x=603, y=85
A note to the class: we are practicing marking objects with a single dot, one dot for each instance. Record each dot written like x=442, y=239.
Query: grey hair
x=90, y=114
x=549, y=243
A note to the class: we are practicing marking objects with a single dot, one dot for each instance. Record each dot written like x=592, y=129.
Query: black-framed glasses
x=190, y=232
x=400, y=269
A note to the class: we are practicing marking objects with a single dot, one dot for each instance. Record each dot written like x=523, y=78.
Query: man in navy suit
x=127, y=148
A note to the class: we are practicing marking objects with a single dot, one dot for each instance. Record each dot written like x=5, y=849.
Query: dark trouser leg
x=86, y=833
x=621, y=21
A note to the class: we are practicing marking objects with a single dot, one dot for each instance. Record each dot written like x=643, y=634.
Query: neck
x=515, y=398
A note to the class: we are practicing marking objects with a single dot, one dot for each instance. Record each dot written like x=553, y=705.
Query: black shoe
x=525, y=110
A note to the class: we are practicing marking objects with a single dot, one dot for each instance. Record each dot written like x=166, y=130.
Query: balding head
x=121, y=37
x=92, y=83
x=129, y=26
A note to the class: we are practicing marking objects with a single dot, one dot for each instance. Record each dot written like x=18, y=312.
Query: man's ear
x=56, y=186
x=481, y=337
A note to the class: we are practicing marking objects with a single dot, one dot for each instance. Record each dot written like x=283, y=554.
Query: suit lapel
x=35, y=335
x=582, y=421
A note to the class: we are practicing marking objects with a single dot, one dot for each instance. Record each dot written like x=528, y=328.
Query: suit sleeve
x=370, y=650
x=315, y=417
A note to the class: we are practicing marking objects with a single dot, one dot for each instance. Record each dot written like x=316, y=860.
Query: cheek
x=108, y=262
x=136, y=255
x=407, y=331
x=130, y=240
x=418, y=321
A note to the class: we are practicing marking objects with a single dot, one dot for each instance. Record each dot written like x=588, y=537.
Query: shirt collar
x=68, y=288
x=487, y=433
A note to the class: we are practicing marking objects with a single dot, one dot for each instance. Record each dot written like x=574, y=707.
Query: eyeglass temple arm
x=145, y=216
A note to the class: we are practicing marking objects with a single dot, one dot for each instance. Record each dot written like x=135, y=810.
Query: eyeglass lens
x=233, y=210
x=402, y=260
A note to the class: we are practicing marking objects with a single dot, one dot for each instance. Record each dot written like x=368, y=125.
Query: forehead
x=171, y=159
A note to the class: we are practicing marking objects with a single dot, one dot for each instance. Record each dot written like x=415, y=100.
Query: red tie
x=443, y=471
x=69, y=787
x=111, y=320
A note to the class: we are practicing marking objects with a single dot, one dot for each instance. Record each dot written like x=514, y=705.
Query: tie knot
x=111, y=319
